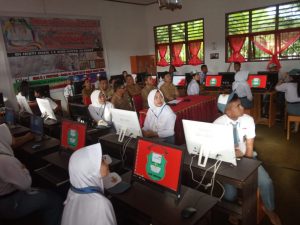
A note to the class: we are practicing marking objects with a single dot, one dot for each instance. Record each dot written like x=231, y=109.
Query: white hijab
x=89, y=208
x=240, y=77
x=5, y=140
x=156, y=110
x=95, y=98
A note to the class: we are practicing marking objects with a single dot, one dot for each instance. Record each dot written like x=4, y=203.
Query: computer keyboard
x=53, y=174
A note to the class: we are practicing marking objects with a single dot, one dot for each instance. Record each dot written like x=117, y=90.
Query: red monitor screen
x=257, y=81
x=72, y=134
x=179, y=80
x=159, y=164
x=213, y=81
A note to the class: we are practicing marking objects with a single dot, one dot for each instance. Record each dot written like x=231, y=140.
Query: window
x=269, y=33
x=179, y=44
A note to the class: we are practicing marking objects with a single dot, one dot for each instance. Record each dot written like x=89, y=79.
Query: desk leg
x=272, y=110
x=249, y=211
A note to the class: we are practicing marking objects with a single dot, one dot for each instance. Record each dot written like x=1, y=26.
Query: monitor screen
x=210, y=140
x=24, y=104
x=213, y=81
x=9, y=116
x=257, y=81
x=272, y=78
x=179, y=80
x=159, y=164
x=126, y=123
x=79, y=112
x=227, y=78
x=78, y=86
x=73, y=135
x=1, y=101
x=45, y=108
x=36, y=124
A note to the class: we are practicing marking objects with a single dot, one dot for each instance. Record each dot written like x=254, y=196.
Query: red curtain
x=194, y=48
x=236, y=44
x=286, y=39
x=162, y=50
x=176, y=55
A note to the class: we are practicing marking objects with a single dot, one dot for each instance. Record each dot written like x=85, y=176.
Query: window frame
x=250, y=57
x=185, y=43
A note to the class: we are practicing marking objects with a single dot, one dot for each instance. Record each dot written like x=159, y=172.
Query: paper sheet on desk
x=175, y=101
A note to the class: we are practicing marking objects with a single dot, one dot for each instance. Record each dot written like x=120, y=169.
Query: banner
x=38, y=46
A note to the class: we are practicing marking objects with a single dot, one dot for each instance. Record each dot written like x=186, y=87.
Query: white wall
x=123, y=30
x=213, y=12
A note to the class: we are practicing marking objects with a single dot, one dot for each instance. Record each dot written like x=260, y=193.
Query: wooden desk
x=19, y=130
x=243, y=177
x=256, y=112
x=163, y=209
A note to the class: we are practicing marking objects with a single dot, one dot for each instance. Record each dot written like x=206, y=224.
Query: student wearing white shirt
x=100, y=109
x=160, y=118
x=292, y=93
x=38, y=93
x=243, y=127
x=193, y=87
x=17, y=198
x=86, y=203
x=241, y=87
x=69, y=89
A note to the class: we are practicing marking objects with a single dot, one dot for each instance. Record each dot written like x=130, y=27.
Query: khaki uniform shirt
x=121, y=102
x=108, y=93
x=145, y=92
x=169, y=91
x=133, y=89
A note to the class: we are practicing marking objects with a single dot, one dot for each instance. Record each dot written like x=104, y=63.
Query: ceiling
x=135, y=2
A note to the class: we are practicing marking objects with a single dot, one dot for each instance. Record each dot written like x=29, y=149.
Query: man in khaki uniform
x=168, y=89
x=132, y=88
x=104, y=87
x=120, y=98
x=149, y=86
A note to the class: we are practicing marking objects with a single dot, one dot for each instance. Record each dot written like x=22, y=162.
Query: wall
x=123, y=27
x=213, y=12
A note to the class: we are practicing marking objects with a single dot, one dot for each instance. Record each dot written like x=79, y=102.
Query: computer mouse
x=36, y=146
x=188, y=212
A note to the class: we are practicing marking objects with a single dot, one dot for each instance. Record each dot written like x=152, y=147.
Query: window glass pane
x=263, y=19
x=183, y=53
x=268, y=42
x=238, y=23
x=178, y=32
x=195, y=30
x=167, y=56
x=289, y=16
x=162, y=34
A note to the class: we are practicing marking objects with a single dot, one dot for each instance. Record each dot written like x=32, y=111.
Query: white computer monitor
x=209, y=141
x=126, y=123
x=24, y=104
x=179, y=80
x=45, y=108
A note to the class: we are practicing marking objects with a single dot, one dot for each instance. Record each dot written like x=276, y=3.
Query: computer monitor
x=126, y=123
x=213, y=81
x=1, y=101
x=227, y=78
x=158, y=164
x=45, y=108
x=37, y=125
x=179, y=80
x=24, y=104
x=78, y=86
x=209, y=141
x=44, y=88
x=257, y=81
x=80, y=113
x=73, y=135
x=9, y=117
x=271, y=80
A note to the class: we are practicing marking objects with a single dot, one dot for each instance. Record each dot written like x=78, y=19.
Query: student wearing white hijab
x=160, y=118
x=17, y=198
x=242, y=88
x=85, y=203
x=100, y=109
